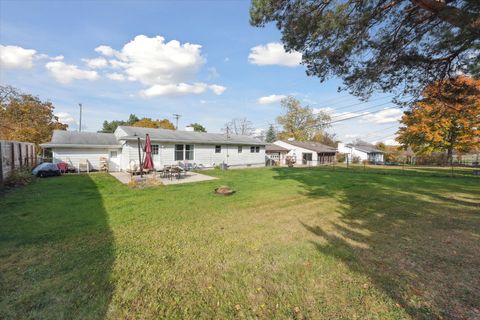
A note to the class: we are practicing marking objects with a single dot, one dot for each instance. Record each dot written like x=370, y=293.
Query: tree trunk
x=450, y=155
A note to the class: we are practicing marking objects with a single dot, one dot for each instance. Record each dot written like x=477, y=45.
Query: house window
x=240, y=149
x=218, y=149
x=113, y=154
x=179, y=149
x=184, y=152
x=189, y=151
x=252, y=149
x=257, y=149
x=154, y=148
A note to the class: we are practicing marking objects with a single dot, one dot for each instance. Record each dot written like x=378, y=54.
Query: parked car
x=46, y=169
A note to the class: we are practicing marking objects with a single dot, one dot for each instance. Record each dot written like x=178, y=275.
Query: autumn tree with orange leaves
x=149, y=123
x=445, y=119
x=24, y=117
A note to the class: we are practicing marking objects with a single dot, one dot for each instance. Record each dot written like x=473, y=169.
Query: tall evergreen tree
x=271, y=135
x=395, y=46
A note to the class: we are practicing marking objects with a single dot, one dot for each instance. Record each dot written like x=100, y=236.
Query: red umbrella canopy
x=148, y=163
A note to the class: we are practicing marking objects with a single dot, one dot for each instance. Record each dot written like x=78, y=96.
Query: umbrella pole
x=140, y=158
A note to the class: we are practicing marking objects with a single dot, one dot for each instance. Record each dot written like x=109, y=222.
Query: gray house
x=168, y=147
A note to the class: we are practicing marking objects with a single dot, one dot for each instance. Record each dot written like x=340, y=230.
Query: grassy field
x=405, y=170
x=291, y=243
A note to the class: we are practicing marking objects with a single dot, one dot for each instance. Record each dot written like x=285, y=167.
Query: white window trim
x=184, y=151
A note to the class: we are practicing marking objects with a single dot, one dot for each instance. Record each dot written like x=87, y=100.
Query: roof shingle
x=74, y=138
x=310, y=145
x=187, y=136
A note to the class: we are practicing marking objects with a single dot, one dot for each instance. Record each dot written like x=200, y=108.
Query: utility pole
x=177, y=116
x=80, y=126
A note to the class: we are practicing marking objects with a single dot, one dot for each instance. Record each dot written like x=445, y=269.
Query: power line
x=371, y=107
x=361, y=115
x=356, y=104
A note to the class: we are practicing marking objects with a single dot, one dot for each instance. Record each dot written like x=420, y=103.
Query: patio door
x=306, y=157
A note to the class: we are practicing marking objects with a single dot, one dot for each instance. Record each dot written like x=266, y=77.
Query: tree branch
x=452, y=15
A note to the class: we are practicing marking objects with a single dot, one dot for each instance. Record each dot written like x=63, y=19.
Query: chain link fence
x=462, y=168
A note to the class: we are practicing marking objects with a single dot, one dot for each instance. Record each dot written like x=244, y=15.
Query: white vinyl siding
x=297, y=151
x=203, y=155
x=73, y=156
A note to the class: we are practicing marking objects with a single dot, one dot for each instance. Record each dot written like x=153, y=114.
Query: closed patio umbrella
x=148, y=163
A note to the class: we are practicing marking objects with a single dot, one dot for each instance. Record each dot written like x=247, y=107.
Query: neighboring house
x=276, y=153
x=168, y=147
x=362, y=152
x=308, y=152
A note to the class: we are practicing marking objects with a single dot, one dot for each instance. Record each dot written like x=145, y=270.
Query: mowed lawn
x=290, y=244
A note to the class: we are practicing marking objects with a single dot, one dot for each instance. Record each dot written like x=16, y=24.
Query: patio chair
x=175, y=171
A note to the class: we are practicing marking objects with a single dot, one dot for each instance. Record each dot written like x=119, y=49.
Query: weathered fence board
x=15, y=154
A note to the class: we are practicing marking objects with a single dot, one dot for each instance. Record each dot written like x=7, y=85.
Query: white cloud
x=273, y=53
x=353, y=135
x=66, y=73
x=391, y=142
x=116, y=76
x=165, y=67
x=67, y=118
x=96, y=63
x=57, y=58
x=14, y=57
x=218, y=90
x=270, y=99
x=153, y=61
x=181, y=89
x=105, y=50
x=259, y=132
x=327, y=110
x=384, y=116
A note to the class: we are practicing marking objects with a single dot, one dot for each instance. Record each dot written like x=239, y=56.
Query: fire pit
x=224, y=191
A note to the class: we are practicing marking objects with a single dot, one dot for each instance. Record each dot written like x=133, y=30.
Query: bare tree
x=239, y=126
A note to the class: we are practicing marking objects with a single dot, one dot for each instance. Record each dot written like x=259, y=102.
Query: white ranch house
x=307, y=152
x=363, y=152
x=169, y=147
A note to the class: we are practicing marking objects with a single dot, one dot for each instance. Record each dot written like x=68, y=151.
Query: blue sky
x=200, y=59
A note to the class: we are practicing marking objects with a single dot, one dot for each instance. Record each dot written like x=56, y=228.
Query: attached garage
x=85, y=148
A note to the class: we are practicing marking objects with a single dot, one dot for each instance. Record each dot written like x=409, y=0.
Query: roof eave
x=65, y=145
x=153, y=139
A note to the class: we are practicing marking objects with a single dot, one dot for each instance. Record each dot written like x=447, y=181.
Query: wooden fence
x=15, y=155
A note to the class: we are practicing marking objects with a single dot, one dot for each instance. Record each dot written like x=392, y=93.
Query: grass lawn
x=291, y=243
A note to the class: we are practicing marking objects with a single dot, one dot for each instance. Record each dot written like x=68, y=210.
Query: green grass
x=291, y=243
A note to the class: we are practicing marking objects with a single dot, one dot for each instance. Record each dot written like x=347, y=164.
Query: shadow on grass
x=417, y=239
x=56, y=251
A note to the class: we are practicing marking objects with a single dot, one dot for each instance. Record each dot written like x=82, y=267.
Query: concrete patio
x=125, y=178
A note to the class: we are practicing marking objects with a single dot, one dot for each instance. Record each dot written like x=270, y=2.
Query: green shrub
x=18, y=178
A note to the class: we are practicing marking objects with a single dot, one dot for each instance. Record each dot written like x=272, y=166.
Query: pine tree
x=271, y=135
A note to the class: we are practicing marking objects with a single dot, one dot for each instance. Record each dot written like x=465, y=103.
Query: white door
x=114, y=160
x=156, y=156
